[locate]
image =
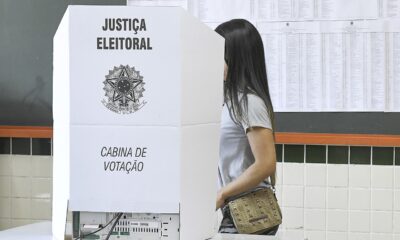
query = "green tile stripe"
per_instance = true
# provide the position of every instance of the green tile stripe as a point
(360, 155)
(279, 150)
(338, 154)
(315, 154)
(294, 153)
(382, 156)
(331, 154)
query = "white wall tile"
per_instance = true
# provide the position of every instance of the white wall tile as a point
(359, 236)
(17, 183)
(5, 207)
(336, 220)
(336, 235)
(316, 174)
(41, 209)
(396, 200)
(5, 186)
(278, 193)
(293, 218)
(293, 173)
(293, 196)
(359, 221)
(315, 197)
(397, 177)
(21, 187)
(5, 224)
(292, 234)
(279, 173)
(396, 222)
(22, 165)
(382, 176)
(41, 187)
(380, 236)
(381, 222)
(20, 222)
(338, 175)
(42, 166)
(219, 216)
(337, 198)
(314, 219)
(359, 175)
(360, 199)
(21, 208)
(382, 199)
(315, 235)
(5, 165)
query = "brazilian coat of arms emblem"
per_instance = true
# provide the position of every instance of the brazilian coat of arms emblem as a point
(124, 89)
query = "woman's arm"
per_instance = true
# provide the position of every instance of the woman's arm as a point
(263, 147)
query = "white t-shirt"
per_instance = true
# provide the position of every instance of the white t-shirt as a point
(235, 154)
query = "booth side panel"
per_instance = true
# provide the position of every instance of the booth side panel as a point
(60, 127)
(202, 54)
(199, 168)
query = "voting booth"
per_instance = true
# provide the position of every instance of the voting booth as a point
(137, 95)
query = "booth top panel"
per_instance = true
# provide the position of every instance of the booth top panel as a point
(136, 66)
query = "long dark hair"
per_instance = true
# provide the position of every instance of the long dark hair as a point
(247, 73)
(244, 55)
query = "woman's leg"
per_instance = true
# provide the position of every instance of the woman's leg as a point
(227, 225)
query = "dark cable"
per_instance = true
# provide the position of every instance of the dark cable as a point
(113, 226)
(98, 230)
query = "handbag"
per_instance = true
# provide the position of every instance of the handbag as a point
(256, 212)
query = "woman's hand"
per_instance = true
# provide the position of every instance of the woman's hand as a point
(262, 145)
(220, 199)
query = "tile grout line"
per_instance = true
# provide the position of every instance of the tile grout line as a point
(326, 193)
(304, 192)
(30, 146)
(283, 157)
(11, 179)
(393, 188)
(31, 178)
(327, 210)
(348, 192)
(370, 193)
(10, 146)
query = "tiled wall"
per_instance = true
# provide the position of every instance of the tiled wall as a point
(339, 192)
(326, 192)
(25, 181)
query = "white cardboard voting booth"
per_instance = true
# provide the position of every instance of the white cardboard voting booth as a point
(137, 94)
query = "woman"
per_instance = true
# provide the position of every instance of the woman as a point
(247, 146)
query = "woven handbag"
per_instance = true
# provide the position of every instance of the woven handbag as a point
(256, 212)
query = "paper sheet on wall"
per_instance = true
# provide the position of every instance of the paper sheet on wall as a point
(330, 66)
(319, 9)
(389, 8)
(321, 55)
(221, 10)
(393, 67)
(158, 3)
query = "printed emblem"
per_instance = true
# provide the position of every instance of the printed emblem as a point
(123, 89)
